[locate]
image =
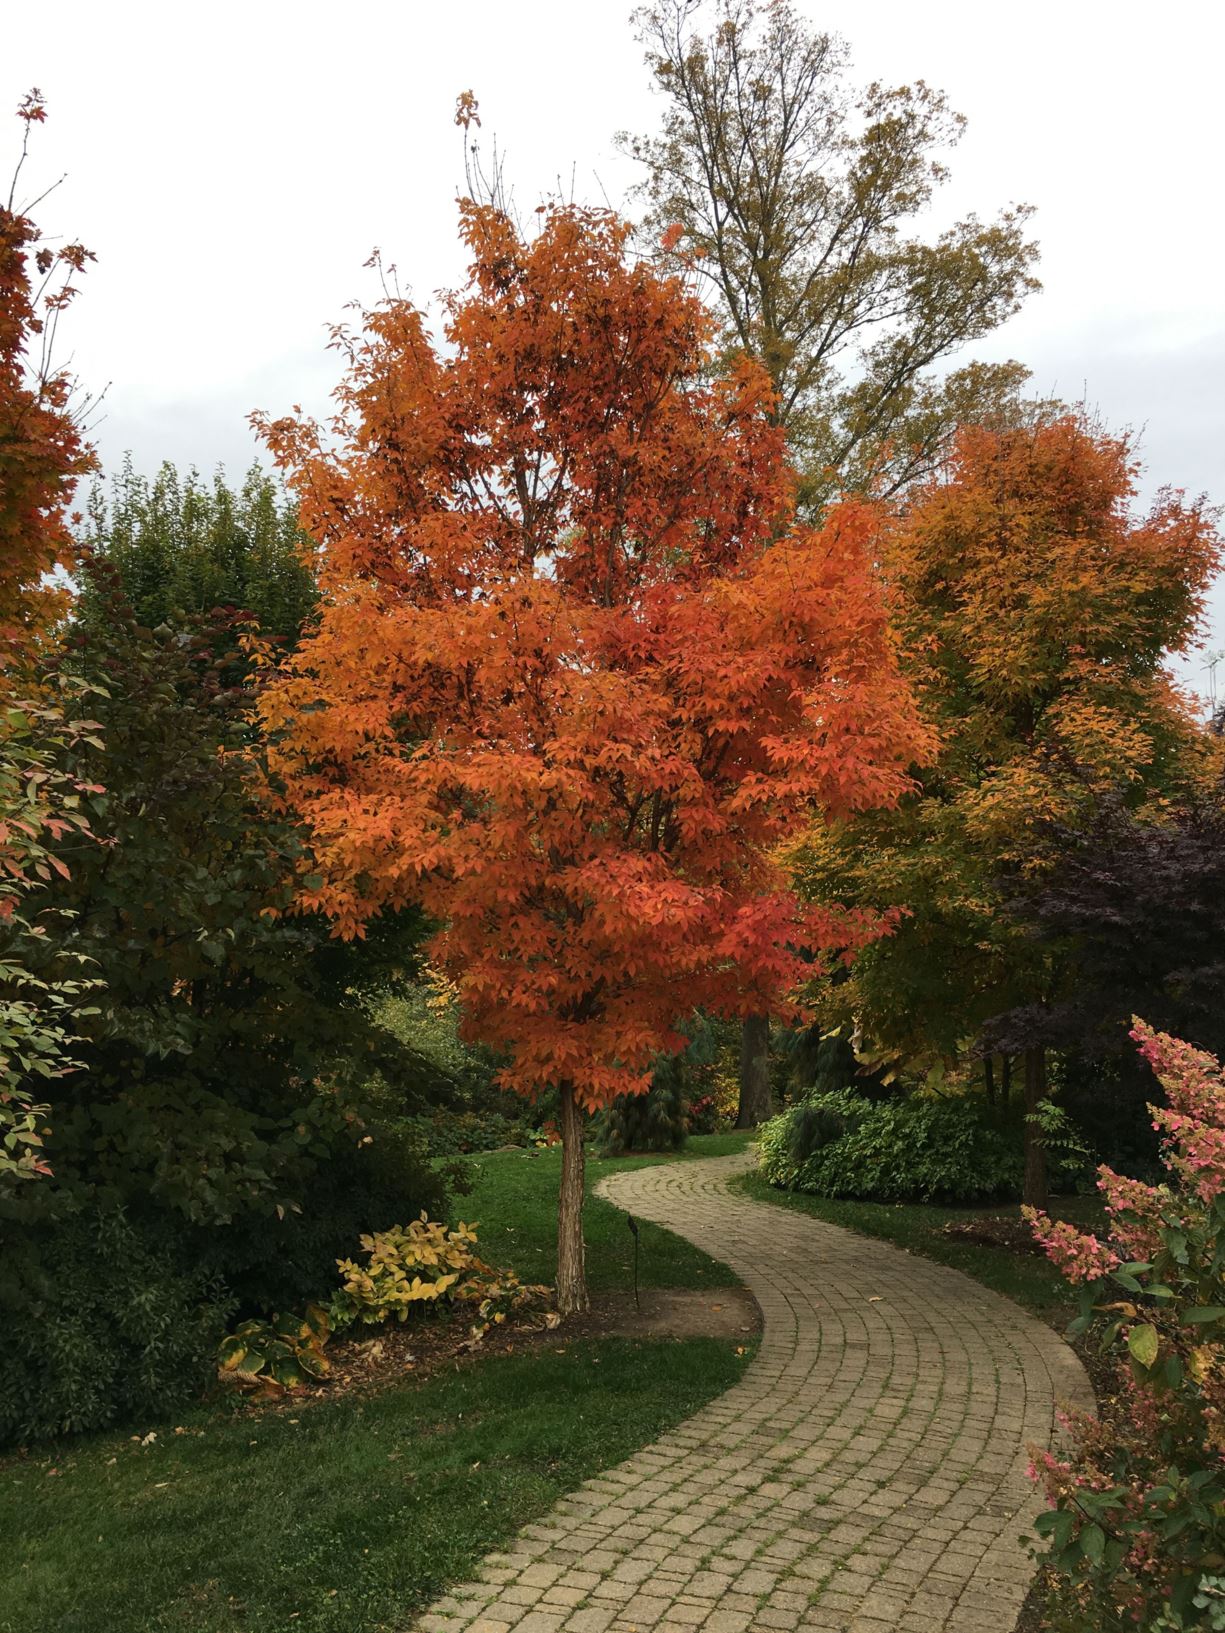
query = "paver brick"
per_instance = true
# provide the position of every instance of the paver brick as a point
(867, 1473)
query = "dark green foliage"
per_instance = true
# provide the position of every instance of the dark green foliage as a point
(821, 1062)
(103, 1323)
(222, 1102)
(181, 549)
(226, 1062)
(286, 1262)
(814, 1125)
(657, 1120)
(116, 1315)
(904, 1150)
(654, 1121)
(456, 1130)
(467, 1111)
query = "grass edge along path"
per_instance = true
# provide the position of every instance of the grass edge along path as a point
(1030, 1280)
(514, 1206)
(348, 1515)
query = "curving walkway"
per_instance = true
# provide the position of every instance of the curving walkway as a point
(866, 1475)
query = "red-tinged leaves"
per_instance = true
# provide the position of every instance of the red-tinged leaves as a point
(41, 451)
(576, 675)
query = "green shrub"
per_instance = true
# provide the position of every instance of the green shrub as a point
(102, 1324)
(654, 1121)
(111, 1315)
(818, 1123)
(660, 1119)
(903, 1150)
(270, 1263)
(452, 1132)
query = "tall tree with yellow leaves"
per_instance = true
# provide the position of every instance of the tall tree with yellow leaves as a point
(1035, 611)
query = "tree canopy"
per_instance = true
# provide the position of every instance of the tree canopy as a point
(1034, 608)
(560, 691)
(795, 196)
(183, 549)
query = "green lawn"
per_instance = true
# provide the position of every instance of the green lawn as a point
(345, 1521)
(346, 1516)
(1029, 1279)
(514, 1203)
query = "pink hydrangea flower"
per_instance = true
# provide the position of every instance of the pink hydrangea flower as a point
(1080, 1256)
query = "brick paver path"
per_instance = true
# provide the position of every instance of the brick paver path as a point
(866, 1475)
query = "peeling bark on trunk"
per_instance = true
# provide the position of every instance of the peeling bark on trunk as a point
(755, 1100)
(1035, 1191)
(571, 1272)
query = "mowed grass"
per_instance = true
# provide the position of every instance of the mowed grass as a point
(346, 1520)
(1030, 1279)
(514, 1204)
(349, 1514)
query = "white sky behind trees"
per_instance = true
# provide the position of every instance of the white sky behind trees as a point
(232, 166)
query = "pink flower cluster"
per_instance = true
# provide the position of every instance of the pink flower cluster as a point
(1080, 1256)
(1134, 1210)
(1156, 1416)
(1194, 1121)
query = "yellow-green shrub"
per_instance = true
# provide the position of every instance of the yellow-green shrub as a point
(406, 1266)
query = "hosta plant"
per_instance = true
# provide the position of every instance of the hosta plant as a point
(274, 1357)
(1136, 1533)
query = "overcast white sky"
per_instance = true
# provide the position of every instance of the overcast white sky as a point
(233, 165)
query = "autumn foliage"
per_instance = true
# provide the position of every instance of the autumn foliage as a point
(1136, 1531)
(575, 677)
(42, 453)
(1035, 609)
(41, 801)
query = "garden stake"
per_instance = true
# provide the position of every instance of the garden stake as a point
(630, 1221)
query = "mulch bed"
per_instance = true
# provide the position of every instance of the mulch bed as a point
(1013, 1234)
(392, 1353)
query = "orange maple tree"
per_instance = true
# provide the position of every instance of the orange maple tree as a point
(574, 676)
(42, 453)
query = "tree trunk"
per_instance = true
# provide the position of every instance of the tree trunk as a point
(989, 1078)
(755, 1102)
(1005, 1079)
(1035, 1155)
(571, 1273)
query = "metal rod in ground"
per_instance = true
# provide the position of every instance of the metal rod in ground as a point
(633, 1225)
